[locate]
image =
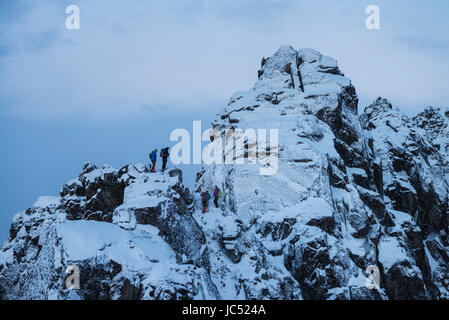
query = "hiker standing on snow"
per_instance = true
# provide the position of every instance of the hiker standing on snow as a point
(153, 158)
(217, 195)
(205, 196)
(164, 154)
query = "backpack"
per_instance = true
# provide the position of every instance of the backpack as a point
(164, 152)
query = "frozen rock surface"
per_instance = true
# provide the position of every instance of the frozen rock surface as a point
(350, 191)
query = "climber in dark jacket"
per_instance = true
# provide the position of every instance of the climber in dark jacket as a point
(217, 195)
(164, 154)
(153, 158)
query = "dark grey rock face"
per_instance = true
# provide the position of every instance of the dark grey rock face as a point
(415, 182)
(93, 196)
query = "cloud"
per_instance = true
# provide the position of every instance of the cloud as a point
(4, 51)
(183, 53)
(42, 40)
(11, 10)
(428, 44)
(256, 11)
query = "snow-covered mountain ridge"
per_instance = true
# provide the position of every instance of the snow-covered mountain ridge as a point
(351, 191)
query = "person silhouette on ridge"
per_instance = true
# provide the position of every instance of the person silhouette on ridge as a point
(153, 158)
(164, 155)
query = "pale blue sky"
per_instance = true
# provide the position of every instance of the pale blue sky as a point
(138, 69)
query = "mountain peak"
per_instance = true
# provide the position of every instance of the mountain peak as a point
(380, 104)
(297, 69)
(344, 200)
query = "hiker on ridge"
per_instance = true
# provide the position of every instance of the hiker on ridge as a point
(217, 195)
(164, 154)
(153, 158)
(205, 196)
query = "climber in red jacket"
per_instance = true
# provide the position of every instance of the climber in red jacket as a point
(205, 196)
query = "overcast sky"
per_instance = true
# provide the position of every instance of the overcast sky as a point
(138, 69)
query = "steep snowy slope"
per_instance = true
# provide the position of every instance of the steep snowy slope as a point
(413, 153)
(319, 217)
(339, 202)
(348, 193)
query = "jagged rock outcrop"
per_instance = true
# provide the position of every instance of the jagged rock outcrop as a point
(310, 220)
(415, 185)
(94, 195)
(350, 192)
(148, 247)
(338, 202)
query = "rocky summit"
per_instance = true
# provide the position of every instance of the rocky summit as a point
(353, 190)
